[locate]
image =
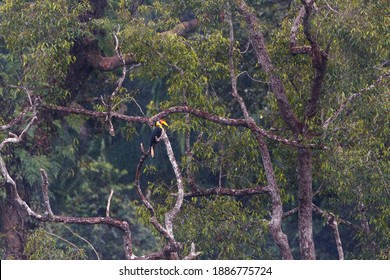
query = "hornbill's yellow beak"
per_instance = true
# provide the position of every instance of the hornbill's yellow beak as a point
(163, 122)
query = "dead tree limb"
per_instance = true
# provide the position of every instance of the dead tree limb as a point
(331, 221)
(45, 194)
(170, 215)
(153, 219)
(294, 49)
(109, 203)
(48, 216)
(171, 249)
(181, 109)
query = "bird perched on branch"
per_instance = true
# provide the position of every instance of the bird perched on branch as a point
(156, 135)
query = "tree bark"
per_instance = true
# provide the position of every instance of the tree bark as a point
(13, 227)
(276, 84)
(305, 216)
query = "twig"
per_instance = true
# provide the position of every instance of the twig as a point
(353, 97)
(85, 240)
(330, 8)
(233, 76)
(65, 240)
(250, 77)
(27, 91)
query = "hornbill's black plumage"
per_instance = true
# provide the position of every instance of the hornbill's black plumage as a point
(156, 134)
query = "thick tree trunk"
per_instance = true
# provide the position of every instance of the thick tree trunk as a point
(305, 217)
(14, 229)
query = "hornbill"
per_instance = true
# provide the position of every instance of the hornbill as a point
(156, 135)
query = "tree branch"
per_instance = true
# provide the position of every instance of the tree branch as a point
(13, 138)
(193, 254)
(290, 212)
(169, 216)
(97, 60)
(15, 120)
(331, 221)
(294, 49)
(45, 194)
(354, 96)
(103, 63)
(319, 62)
(49, 216)
(144, 200)
(180, 109)
(233, 76)
(183, 28)
(227, 192)
(109, 203)
(277, 87)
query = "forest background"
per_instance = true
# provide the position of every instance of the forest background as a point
(277, 145)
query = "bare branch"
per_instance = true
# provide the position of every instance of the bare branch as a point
(332, 222)
(120, 56)
(15, 193)
(13, 138)
(27, 91)
(319, 61)
(170, 250)
(294, 49)
(258, 43)
(49, 216)
(169, 216)
(65, 240)
(193, 254)
(180, 109)
(94, 114)
(83, 239)
(109, 104)
(144, 200)
(233, 76)
(16, 120)
(109, 203)
(45, 193)
(332, 9)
